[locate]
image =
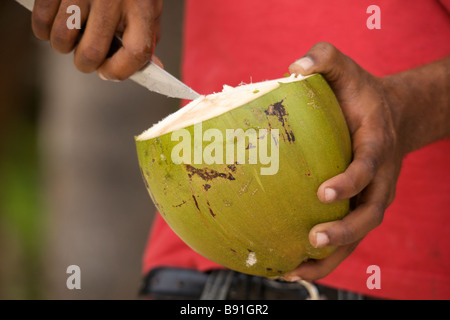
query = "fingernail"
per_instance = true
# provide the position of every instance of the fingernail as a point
(101, 76)
(330, 194)
(322, 240)
(305, 63)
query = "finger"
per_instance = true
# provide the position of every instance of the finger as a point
(158, 62)
(326, 59)
(42, 17)
(138, 43)
(63, 39)
(323, 57)
(370, 143)
(353, 227)
(358, 223)
(100, 28)
(316, 269)
(368, 156)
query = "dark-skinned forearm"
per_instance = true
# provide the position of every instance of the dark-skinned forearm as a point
(420, 101)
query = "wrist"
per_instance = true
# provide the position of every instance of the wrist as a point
(419, 101)
(396, 99)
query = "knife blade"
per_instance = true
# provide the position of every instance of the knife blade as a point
(159, 80)
(152, 77)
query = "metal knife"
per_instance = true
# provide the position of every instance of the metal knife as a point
(151, 77)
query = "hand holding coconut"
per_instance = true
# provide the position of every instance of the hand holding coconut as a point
(229, 209)
(387, 118)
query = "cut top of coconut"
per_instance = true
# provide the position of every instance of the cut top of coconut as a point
(212, 105)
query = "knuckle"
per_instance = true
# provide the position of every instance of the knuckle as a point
(326, 50)
(377, 210)
(61, 40)
(341, 234)
(352, 185)
(330, 62)
(346, 235)
(371, 164)
(142, 53)
(91, 57)
(42, 23)
(370, 156)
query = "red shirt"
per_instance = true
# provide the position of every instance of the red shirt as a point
(229, 42)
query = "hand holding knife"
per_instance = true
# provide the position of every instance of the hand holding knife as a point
(151, 77)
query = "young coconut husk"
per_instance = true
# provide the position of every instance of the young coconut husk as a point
(249, 210)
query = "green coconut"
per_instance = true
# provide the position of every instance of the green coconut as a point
(235, 174)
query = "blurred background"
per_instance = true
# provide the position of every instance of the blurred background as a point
(70, 187)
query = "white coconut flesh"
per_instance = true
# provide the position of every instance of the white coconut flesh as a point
(212, 105)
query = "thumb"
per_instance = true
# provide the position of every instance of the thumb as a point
(324, 58)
